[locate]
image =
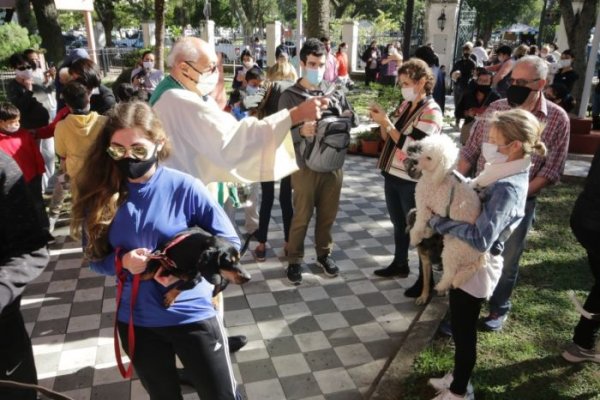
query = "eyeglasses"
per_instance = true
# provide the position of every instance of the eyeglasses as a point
(137, 151)
(210, 70)
(24, 67)
(522, 82)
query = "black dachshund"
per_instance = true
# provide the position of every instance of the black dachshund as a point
(195, 254)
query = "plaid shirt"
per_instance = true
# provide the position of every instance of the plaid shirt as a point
(555, 136)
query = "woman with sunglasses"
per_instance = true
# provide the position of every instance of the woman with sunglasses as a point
(20, 93)
(128, 206)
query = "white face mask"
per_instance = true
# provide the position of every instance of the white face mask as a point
(207, 83)
(12, 128)
(408, 93)
(564, 63)
(148, 64)
(492, 155)
(248, 64)
(26, 74)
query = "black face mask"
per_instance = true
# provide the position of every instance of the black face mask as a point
(516, 95)
(485, 89)
(135, 169)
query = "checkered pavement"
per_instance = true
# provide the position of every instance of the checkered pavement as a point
(328, 338)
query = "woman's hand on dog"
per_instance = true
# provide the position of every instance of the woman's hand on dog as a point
(135, 261)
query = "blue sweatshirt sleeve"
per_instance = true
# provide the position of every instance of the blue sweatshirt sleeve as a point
(497, 214)
(209, 215)
(105, 266)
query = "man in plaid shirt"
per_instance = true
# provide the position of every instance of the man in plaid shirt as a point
(527, 83)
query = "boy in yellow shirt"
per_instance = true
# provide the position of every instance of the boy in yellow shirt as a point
(74, 135)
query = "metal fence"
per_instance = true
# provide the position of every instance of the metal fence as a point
(382, 42)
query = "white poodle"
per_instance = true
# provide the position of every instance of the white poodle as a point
(439, 191)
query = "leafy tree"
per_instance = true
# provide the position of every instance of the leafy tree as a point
(70, 20)
(52, 39)
(13, 38)
(126, 15)
(578, 26)
(493, 13)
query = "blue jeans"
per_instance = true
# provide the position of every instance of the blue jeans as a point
(400, 199)
(513, 249)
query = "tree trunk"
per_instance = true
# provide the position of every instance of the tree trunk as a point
(159, 33)
(52, 39)
(486, 33)
(23, 8)
(317, 24)
(408, 23)
(578, 26)
(106, 13)
(244, 12)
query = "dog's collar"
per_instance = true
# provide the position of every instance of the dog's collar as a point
(161, 255)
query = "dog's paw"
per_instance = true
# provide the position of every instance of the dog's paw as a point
(421, 300)
(442, 288)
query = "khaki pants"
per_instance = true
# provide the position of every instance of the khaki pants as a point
(320, 190)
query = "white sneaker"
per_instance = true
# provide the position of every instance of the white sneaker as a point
(446, 394)
(52, 223)
(443, 383)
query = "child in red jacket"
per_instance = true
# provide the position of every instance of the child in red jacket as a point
(20, 145)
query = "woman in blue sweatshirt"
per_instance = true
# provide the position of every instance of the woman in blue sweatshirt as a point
(129, 202)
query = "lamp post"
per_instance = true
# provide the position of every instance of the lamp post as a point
(441, 21)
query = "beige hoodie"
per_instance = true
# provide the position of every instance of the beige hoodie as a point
(74, 136)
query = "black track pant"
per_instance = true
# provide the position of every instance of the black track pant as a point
(464, 313)
(16, 355)
(201, 347)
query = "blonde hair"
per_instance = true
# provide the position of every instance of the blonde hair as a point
(522, 126)
(282, 72)
(101, 186)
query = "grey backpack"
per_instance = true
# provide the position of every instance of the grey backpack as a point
(326, 151)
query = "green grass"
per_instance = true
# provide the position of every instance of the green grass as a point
(523, 361)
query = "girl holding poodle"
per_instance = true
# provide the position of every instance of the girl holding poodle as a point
(503, 184)
(417, 117)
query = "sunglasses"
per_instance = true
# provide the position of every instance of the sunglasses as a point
(23, 68)
(137, 151)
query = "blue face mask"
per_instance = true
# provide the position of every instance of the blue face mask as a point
(314, 75)
(251, 90)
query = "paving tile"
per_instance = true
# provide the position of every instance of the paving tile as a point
(301, 386)
(257, 370)
(334, 380)
(322, 359)
(327, 338)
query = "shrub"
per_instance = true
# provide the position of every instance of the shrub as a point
(13, 38)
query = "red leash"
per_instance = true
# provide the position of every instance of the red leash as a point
(122, 276)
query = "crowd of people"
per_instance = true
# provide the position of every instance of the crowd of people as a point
(165, 153)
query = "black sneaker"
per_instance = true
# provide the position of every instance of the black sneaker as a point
(260, 252)
(328, 265)
(236, 342)
(294, 273)
(401, 271)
